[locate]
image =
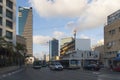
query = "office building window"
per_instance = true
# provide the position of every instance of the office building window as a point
(119, 29)
(0, 9)
(9, 34)
(0, 20)
(1, 1)
(0, 32)
(9, 14)
(9, 4)
(9, 24)
(112, 32)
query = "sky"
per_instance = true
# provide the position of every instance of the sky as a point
(59, 18)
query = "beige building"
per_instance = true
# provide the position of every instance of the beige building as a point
(112, 37)
(26, 27)
(100, 49)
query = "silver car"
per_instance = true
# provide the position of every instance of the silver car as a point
(55, 66)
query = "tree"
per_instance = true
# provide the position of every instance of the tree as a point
(6, 52)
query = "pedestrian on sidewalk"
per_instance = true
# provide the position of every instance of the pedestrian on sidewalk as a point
(111, 67)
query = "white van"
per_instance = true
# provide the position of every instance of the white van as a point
(55, 66)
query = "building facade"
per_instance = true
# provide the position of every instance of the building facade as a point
(65, 40)
(8, 20)
(20, 40)
(111, 37)
(100, 49)
(26, 27)
(75, 44)
(85, 57)
(54, 48)
(67, 46)
(82, 44)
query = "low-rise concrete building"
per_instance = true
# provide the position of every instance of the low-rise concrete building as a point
(85, 57)
(75, 44)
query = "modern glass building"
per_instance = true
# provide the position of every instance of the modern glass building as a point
(8, 20)
(25, 27)
(54, 48)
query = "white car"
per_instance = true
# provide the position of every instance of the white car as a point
(55, 66)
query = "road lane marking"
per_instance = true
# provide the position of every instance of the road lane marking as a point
(4, 75)
(100, 79)
(11, 73)
(96, 73)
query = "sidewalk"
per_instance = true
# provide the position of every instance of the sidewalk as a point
(8, 69)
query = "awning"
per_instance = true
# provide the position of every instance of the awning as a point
(117, 59)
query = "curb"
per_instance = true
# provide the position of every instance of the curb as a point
(10, 73)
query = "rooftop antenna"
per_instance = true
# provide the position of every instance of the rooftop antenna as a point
(74, 33)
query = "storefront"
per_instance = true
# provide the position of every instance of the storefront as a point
(116, 63)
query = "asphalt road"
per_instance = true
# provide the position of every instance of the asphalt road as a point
(46, 74)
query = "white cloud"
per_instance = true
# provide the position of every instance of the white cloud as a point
(90, 15)
(84, 36)
(95, 14)
(100, 42)
(58, 34)
(52, 8)
(43, 40)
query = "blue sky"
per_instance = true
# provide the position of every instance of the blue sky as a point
(59, 18)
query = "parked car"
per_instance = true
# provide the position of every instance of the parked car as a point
(116, 68)
(55, 66)
(92, 67)
(37, 65)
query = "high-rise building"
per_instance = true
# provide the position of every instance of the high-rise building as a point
(54, 48)
(8, 20)
(26, 27)
(112, 38)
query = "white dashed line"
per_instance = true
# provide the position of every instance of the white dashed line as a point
(100, 79)
(9, 74)
(4, 75)
(96, 73)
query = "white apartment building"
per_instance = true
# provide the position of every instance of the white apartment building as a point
(8, 20)
(82, 44)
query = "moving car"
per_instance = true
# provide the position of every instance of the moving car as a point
(92, 67)
(55, 66)
(37, 64)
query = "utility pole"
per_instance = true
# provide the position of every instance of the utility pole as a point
(74, 33)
